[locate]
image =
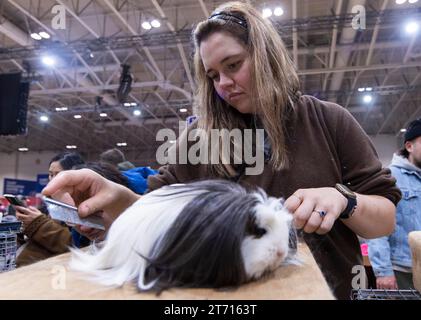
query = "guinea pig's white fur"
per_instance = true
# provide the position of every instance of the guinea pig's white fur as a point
(209, 233)
(268, 252)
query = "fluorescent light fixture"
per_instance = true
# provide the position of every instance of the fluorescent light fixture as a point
(23, 149)
(361, 89)
(266, 12)
(36, 36)
(44, 118)
(103, 114)
(127, 104)
(133, 104)
(137, 113)
(400, 1)
(278, 11)
(58, 109)
(403, 130)
(48, 61)
(77, 116)
(183, 110)
(369, 89)
(367, 98)
(45, 35)
(411, 27)
(146, 25)
(155, 23)
(121, 144)
(71, 147)
(412, 1)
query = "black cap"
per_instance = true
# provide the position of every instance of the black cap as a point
(413, 130)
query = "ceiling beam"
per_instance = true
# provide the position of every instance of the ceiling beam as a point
(179, 45)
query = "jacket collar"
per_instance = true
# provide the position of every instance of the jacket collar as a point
(405, 166)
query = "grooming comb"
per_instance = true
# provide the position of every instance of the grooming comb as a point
(67, 213)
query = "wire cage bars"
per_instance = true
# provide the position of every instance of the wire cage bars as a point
(8, 245)
(378, 294)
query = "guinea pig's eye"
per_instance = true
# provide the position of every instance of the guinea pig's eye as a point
(259, 232)
(253, 229)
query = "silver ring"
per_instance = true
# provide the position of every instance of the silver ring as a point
(321, 213)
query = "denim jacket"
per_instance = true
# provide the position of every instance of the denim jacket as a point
(394, 250)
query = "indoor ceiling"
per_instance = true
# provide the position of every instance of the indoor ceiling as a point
(333, 59)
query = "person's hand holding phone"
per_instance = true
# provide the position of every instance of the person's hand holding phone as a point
(27, 215)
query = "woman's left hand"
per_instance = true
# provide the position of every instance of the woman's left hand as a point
(316, 209)
(27, 215)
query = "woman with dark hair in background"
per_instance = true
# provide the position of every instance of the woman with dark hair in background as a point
(46, 237)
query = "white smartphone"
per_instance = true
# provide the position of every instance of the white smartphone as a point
(67, 213)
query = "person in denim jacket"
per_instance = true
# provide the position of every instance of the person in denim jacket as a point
(390, 256)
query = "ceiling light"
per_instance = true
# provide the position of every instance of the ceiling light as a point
(127, 104)
(412, 1)
(121, 144)
(71, 147)
(23, 149)
(403, 130)
(361, 89)
(58, 109)
(44, 118)
(133, 104)
(146, 25)
(367, 98)
(77, 116)
(411, 27)
(137, 113)
(278, 11)
(400, 1)
(155, 23)
(48, 61)
(103, 114)
(183, 110)
(369, 89)
(266, 13)
(172, 141)
(36, 36)
(45, 35)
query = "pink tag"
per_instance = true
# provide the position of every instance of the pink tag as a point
(364, 249)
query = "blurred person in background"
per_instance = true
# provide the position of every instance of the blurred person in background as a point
(390, 257)
(116, 158)
(44, 236)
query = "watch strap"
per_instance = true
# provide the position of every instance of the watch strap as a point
(349, 210)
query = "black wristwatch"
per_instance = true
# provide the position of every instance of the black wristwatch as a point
(352, 201)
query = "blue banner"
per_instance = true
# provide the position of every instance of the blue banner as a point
(22, 187)
(42, 180)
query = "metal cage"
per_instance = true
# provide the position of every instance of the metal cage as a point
(8, 245)
(377, 294)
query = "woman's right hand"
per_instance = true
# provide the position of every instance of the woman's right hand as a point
(91, 193)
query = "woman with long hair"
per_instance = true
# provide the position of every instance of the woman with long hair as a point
(316, 156)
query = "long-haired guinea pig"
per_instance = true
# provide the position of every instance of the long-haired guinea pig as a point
(210, 234)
